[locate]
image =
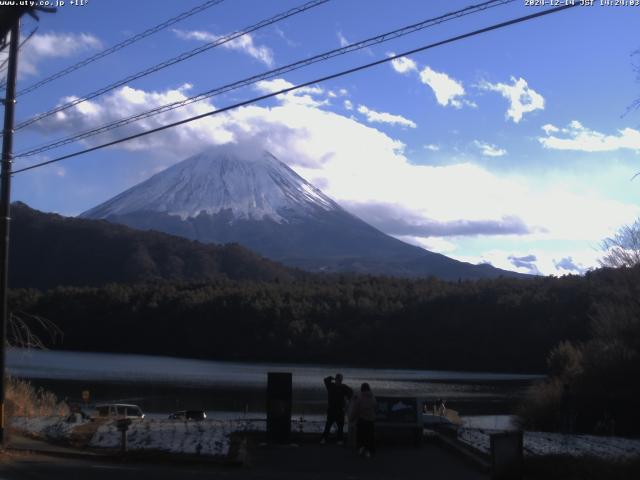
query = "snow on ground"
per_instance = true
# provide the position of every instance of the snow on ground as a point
(209, 437)
(212, 437)
(50, 428)
(543, 443)
(489, 422)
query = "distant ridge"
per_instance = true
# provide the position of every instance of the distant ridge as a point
(49, 250)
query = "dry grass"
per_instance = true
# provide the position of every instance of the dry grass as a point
(540, 408)
(25, 400)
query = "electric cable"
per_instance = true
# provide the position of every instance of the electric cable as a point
(120, 46)
(265, 75)
(305, 84)
(172, 61)
(3, 67)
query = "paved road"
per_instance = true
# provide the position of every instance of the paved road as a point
(308, 461)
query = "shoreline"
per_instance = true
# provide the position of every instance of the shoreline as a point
(444, 373)
(166, 398)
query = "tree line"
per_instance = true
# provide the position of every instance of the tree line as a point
(499, 324)
(593, 384)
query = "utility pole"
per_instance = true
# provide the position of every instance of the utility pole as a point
(5, 207)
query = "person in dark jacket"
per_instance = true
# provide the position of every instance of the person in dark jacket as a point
(338, 395)
(363, 413)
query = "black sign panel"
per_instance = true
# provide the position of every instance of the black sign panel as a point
(279, 393)
(397, 410)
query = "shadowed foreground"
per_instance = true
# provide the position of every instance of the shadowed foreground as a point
(288, 462)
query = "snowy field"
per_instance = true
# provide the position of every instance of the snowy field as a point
(50, 428)
(208, 437)
(489, 422)
(213, 437)
(543, 443)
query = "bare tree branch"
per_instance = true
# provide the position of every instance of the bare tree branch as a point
(21, 329)
(623, 249)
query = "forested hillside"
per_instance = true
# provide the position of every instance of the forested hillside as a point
(501, 324)
(49, 250)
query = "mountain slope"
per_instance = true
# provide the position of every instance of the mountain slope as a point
(48, 250)
(229, 194)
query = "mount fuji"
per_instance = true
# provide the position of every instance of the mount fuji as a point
(232, 194)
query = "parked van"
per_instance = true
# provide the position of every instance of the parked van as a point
(119, 410)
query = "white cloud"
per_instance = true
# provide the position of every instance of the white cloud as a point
(526, 262)
(432, 147)
(270, 86)
(569, 265)
(522, 99)
(43, 46)
(489, 150)
(341, 38)
(365, 170)
(348, 105)
(434, 244)
(446, 89)
(243, 44)
(301, 96)
(399, 220)
(578, 137)
(537, 261)
(284, 37)
(403, 64)
(342, 92)
(382, 117)
(127, 101)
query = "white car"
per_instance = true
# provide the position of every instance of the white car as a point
(119, 410)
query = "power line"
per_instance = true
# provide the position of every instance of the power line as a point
(120, 46)
(174, 60)
(306, 84)
(3, 67)
(269, 74)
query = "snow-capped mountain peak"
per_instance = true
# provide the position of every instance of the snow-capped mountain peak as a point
(251, 185)
(236, 194)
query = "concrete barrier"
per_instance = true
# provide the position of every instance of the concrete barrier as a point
(506, 455)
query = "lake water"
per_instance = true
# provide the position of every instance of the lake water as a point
(163, 384)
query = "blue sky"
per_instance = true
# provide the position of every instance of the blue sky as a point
(514, 147)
